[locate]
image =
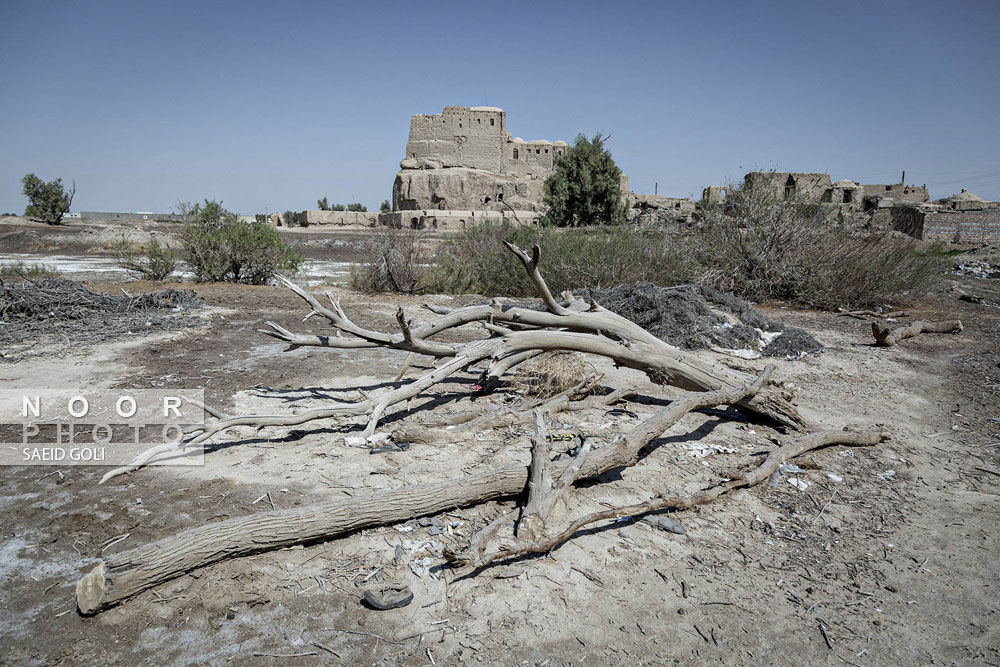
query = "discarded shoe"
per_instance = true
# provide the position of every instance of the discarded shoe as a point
(397, 447)
(388, 597)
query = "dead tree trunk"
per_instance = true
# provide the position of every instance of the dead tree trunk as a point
(121, 576)
(886, 337)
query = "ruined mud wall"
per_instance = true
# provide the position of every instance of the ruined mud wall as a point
(962, 226)
(459, 137)
(897, 192)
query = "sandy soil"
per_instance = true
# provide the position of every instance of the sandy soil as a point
(896, 562)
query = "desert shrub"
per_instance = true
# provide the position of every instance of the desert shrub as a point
(392, 260)
(20, 271)
(585, 187)
(47, 201)
(219, 247)
(761, 246)
(150, 261)
(476, 261)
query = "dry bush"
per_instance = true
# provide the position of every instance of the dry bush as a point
(759, 247)
(551, 374)
(19, 271)
(393, 260)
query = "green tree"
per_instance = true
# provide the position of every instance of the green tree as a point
(220, 247)
(357, 208)
(585, 188)
(386, 207)
(152, 261)
(324, 205)
(47, 201)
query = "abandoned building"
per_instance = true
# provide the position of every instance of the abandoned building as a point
(655, 208)
(817, 187)
(462, 166)
(465, 159)
(960, 218)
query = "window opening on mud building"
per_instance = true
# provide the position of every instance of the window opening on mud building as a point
(848, 196)
(546, 151)
(492, 121)
(538, 151)
(515, 153)
(500, 196)
(789, 188)
(888, 188)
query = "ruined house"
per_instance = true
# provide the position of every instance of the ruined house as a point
(465, 159)
(960, 218)
(785, 185)
(655, 208)
(818, 188)
(887, 195)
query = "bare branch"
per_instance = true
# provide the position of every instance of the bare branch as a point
(756, 476)
(531, 266)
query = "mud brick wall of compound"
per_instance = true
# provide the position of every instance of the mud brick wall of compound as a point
(963, 227)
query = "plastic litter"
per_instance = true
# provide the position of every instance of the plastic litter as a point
(667, 523)
(799, 484)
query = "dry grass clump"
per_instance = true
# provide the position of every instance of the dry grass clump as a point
(19, 271)
(394, 260)
(552, 373)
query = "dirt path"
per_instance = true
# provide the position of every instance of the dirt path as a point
(878, 568)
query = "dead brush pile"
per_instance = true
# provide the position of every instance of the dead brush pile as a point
(36, 315)
(69, 300)
(695, 317)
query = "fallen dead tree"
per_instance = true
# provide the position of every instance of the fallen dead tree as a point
(517, 334)
(887, 337)
(121, 576)
(862, 314)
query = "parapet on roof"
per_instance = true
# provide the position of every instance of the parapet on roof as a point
(486, 109)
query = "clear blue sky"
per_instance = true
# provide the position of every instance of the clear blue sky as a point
(275, 104)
